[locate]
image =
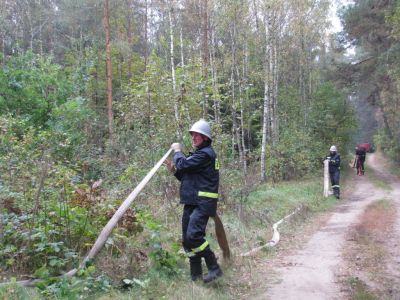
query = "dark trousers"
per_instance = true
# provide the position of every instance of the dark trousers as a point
(194, 223)
(335, 176)
(362, 160)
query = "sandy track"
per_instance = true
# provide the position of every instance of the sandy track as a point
(311, 273)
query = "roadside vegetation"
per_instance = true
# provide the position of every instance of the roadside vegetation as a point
(149, 264)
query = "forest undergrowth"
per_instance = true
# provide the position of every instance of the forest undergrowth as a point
(143, 257)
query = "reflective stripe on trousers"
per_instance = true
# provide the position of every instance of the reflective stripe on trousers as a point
(198, 249)
(208, 195)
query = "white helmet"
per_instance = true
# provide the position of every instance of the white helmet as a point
(333, 148)
(201, 127)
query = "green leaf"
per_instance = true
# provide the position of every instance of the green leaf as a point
(42, 272)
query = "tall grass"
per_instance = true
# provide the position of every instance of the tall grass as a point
(248, 224)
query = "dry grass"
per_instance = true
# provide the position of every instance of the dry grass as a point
(376, 221)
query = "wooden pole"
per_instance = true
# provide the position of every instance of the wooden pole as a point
(221, 237)
(101, 240)
(326, 178)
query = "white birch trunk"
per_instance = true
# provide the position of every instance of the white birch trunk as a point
(206, 56)
(264, 133)
(240, 132)
(276, 86)
(214, 77)
(174, 95)
(271, 89)
(181, 42)
(233, 86)
(266, 112)
(182, 82)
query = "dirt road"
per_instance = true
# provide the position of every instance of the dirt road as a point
(317, 270)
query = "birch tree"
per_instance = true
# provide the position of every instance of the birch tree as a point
(173, 76)
(109, 69)
(266, 120)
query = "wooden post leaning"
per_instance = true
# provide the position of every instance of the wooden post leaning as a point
(105, 233)
(221, 237)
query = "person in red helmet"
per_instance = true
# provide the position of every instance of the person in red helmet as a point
(360, 159)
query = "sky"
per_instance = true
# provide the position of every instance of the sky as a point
(336, 25)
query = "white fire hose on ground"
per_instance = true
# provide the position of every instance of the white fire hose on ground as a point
(275, 236)
(105, 233)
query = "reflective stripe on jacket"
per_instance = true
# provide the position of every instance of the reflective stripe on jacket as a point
(199, 175)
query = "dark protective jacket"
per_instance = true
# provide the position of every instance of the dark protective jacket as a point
(334, 163)
(199, 175)
(361, 154)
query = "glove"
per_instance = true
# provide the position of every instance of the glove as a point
(170, 166)
(176, 147)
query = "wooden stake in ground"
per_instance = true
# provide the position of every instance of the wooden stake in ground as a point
(221, 237)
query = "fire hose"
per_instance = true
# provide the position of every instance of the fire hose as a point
(105, 233)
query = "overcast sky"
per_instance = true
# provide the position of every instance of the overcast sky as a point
(336, 25)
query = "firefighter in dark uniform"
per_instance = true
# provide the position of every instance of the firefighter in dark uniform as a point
(360, 155)
(334, 170)
(199, 177)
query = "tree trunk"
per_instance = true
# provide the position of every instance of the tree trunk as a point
(242, 133)
(109, 69)
(275, 91)
(129, 6)
(267, 105)
(235, 128)
(146, 54)
(205, 58)
(214, 80)
(264, 132)
(146, 39)
(174, 94)
(40, 30)
(183, 102)
(181, 42)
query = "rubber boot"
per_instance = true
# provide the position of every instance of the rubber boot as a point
(214, 271)
(336, 192)
(196, 271)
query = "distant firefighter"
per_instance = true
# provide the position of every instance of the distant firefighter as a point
(360, 154)
(334, 170)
